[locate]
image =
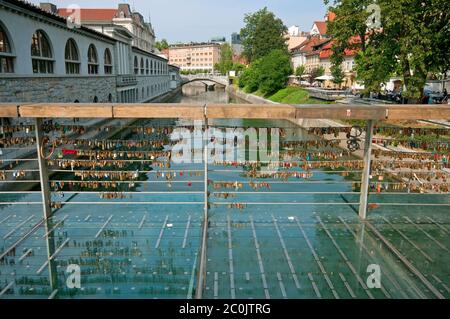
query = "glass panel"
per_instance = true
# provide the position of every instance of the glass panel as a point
(4, 42)
(92, 54)
(71, 51)
(35, 49)
(45, 46)
(6, 65)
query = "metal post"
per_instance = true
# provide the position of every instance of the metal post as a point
(46, 206)
(366, 171)
(43, 171)
(202, 270)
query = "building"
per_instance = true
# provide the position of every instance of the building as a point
(320, 28)
(236, 45)
(307, 53)
(295, 37)
(195, 56)
(347, 65)
(134, 22)
(175, 78)
(219, 40)
(43, 59)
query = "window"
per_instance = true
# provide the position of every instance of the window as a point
(72, 58)
(142, 65)
(108, 62)
(41, 55)
(6, 58)
(147, 69)
(92, 60)
(110, 97)
(136, 65)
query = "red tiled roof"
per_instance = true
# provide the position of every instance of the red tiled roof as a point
(300, 45)
(309, 45)
(322, 26)
(327, 51)
(91, 14)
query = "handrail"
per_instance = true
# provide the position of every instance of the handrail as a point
(224, 111)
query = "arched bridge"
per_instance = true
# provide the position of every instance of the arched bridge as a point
(218, 79)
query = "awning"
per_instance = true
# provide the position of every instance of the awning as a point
(325, 78)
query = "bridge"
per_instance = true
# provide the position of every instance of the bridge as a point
(218, 79)
(206, 193)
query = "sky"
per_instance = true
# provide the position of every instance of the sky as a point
(201, 20)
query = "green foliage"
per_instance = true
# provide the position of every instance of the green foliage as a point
(162, 45)
(336, 67)
(414, 40)
(268, 74)
(274, 71)
(238, 67)
(226, 59)
(300, 70)
(263, 33)
(374, 66)
(249, 79)
(198, 71)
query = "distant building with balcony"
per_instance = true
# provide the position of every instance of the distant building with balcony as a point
(123, 16)
(43, 59)
(195, 56)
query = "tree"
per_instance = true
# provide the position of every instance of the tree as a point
(413, 40)
(336, 66)
(316, 72)
(250, 78)
(263, 33)
(300, 70)
(274, 70)
(226, 59)
(162, 45)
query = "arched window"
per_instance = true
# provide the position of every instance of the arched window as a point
(95, 99)
(72, 58)
(142, 65)
(136, 65)
(142, 93)
(110, 97)
(108, 62)
(147, 68)
(6, 57)
(92, 60)
(151, 67)
(41, 53)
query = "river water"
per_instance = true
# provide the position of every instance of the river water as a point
(290, 238)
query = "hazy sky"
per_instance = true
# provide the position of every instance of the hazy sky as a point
(200, 20)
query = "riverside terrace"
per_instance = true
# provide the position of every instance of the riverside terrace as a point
(108, 198)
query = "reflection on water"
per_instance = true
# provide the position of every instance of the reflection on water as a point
(197, 93)
(299, 238)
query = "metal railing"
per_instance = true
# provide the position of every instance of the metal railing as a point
(372, 114)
